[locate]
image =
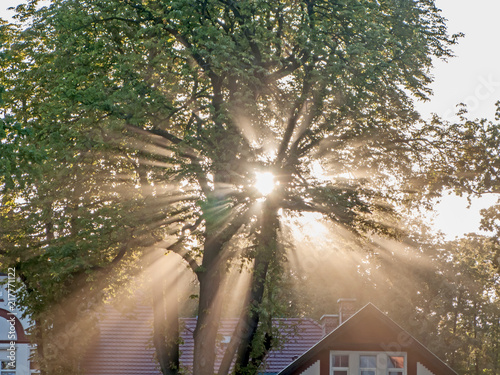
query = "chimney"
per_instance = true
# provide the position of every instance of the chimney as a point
(346, 308)
(329, 322)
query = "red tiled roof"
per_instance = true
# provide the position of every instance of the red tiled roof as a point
(186, 348)
(298, 336)
(124, 346)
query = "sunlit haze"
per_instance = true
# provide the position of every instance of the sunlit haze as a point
(472, 77)
(200, 179)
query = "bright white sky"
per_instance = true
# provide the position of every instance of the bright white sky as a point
(4, 4)
(473, 77)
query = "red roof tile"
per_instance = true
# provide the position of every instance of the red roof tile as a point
(124, 346)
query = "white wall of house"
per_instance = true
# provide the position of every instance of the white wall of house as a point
(21, 355)
(12, 353)
(313, 370)
(422, 370)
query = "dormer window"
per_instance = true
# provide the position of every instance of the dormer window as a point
(367, 363)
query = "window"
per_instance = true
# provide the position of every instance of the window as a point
(367, 363)
(7, 368)
(340, 364)
(395, 365)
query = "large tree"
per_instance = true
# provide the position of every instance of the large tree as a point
(160, 115)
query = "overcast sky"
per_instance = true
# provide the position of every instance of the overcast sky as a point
(472, 77)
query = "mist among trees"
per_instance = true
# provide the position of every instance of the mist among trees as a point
(137, 130)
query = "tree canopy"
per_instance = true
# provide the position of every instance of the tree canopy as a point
(133, 125)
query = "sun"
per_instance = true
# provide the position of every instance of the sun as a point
(264, 182)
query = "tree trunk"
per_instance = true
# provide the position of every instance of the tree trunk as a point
(244, 334)
(166, 327)
(251, 318)
(475, 322)
(455, 324)
(40, 347)
(209, 310)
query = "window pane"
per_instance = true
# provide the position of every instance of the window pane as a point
(395, 372)
(368, 361)
(341, 361)
(8, 365)
(364, 372)
(395, 362)
(340, 372)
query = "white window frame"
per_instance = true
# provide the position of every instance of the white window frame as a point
(354, 357)
(7, 370)
(333, 369)
(375, 369)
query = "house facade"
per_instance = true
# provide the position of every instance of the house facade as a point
(368, 343)
(15, 348)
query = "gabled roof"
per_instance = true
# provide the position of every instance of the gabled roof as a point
(300, 335)
(366, 327)
(124, 346)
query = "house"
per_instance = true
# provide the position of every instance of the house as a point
(124, 346)
(301, 334)
(367, 343)
(15, 348)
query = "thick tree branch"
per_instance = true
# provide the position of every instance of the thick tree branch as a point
(178, 248)
(205, 65)
(294, 118)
